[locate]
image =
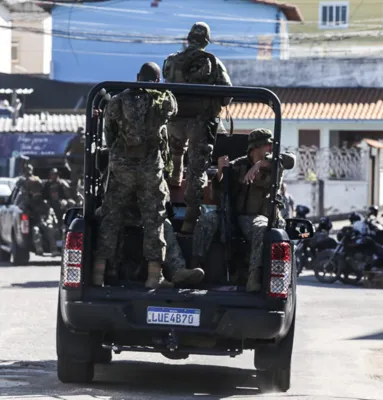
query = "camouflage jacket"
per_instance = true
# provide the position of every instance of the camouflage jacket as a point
(250, 199)
(134, 123)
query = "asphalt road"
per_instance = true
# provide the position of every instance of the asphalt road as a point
(338, 350)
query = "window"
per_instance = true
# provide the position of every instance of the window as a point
(333, 15)
(15, 52)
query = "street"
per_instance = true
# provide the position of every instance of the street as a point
(338, 350)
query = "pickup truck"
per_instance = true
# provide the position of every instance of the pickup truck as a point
(211, 319)
(16, 233)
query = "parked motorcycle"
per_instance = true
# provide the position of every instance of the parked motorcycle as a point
(302, 251)
(307, 250)
(353, 254)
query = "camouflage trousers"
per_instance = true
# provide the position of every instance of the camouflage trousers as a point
(174, 259)
(195, 137)
(252, 228)
(144, 185)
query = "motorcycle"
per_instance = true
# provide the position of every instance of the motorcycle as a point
(307, 250)
(369, 225)
(302, 250)
(353, 254)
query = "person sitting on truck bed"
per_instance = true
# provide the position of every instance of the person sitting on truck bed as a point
(174, 259)
(249, 185)
(56, 193)
(135, 122)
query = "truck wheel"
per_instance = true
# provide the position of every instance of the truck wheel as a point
(20, 256)
(274, 366)
(70, 371)
(102, 356)
(4, 255)
(74, 354)
(276, 380)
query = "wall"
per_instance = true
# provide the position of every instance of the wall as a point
(313, 72)
(6, 41)
(34, 48)
(106, 56)
(290, 128)
(342, 197)
(369, 12)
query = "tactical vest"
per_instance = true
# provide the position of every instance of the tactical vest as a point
(186, 67)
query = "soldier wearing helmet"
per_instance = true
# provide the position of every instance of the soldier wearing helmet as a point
(249, 185)
(196, 124)
(56, 192)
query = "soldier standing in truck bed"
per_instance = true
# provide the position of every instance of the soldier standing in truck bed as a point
(134, 128)
(196, 125)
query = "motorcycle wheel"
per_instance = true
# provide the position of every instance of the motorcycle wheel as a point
(326, 271)
(351, 277)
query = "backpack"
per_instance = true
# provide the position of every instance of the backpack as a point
(182, 67)
(191, 66)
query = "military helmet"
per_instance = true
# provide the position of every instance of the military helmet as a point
(259, 137)
(200, 33)
(28, 167)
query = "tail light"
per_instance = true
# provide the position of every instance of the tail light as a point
(280, 274)
(72, 260)
(24, 224)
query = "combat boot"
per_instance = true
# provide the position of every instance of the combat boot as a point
(155, 277)
(178, 171)
(254, 280)
(190, 221)
(188, 276)
(98, 272)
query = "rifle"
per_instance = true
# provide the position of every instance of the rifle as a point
(225, 220)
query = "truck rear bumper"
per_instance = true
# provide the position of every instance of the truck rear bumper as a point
(225, 322)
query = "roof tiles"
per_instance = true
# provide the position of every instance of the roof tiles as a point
(318, 104)
(41, 123)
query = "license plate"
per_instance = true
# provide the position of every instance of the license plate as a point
(173, 316)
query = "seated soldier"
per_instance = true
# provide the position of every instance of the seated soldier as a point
(174, 259)
(249, 185)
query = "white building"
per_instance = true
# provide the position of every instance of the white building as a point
(30, 47)
(5, 39)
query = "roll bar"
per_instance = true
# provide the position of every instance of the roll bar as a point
(100, 93)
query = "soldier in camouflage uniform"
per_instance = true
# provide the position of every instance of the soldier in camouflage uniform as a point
(134, 122)
(174, 259)
(32, 201)
(249, 183)
(75, 159)
(195, 128)
(56, 192)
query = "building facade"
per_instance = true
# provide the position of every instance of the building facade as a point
(27, 42)
(111, 40)
(337, 28)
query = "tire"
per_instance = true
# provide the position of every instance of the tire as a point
(20, 256)
(70, 371)
(347, 280)
(103, 356)
(75, 361)
(277, 376)
(4, 255)
(321, 266)
(276, 380)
